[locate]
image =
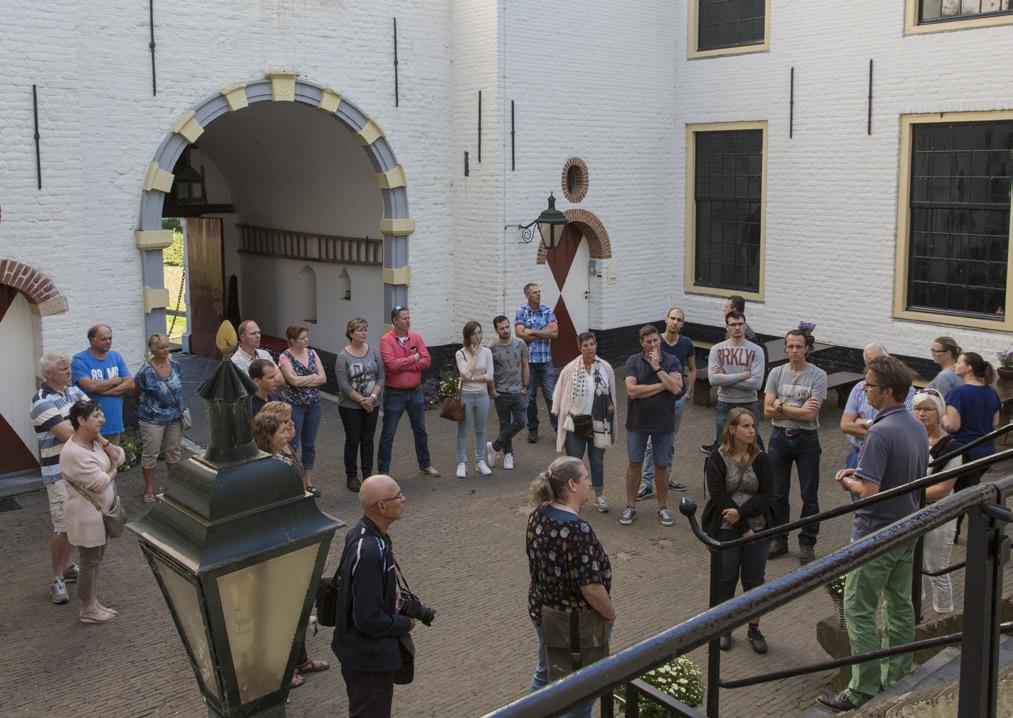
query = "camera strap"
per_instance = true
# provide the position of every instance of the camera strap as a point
(399, 577)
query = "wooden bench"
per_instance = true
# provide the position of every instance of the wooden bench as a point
(843, 382)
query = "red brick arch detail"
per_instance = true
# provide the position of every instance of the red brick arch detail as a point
(36, 286)
(593, 229)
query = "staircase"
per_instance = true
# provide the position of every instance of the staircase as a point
(931, 690)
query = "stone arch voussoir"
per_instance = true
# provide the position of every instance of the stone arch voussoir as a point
(36, 286)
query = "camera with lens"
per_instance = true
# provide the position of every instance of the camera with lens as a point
(412, 607)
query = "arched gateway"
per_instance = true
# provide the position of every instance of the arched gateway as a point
(395, 224)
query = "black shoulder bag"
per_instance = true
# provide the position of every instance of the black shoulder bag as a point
(327, 595)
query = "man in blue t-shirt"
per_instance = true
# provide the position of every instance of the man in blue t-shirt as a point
(653, 380)
(895, 452)
(674, 344)
(103, 375)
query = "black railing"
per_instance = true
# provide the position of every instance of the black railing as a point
(987, 551)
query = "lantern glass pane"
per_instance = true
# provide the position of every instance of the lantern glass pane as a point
(182, 595)
(261, 605)
(546, 231)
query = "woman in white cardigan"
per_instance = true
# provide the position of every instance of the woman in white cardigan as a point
(88, 463)
(474, 364)
(585, 400)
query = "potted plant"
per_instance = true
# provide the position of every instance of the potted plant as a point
(836, 590)
(1005, 364)
(807, 328)
(680, 678)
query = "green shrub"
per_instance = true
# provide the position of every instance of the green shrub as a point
(173, 254)
(680, 678)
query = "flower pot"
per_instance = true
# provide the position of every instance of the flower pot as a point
(838, 602)
(1005, 373)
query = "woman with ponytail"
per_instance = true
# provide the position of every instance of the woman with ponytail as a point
(570, 569)
(972, 410)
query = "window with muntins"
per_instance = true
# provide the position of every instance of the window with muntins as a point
(944, 10)
(728, 196)
(960, 218)
(730, 23)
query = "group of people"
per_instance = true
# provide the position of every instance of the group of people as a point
(77, 413)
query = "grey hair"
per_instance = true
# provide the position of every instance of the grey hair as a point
(876, 345)
(51, 360)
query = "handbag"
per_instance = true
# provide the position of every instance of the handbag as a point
(114, 518)
(573, 639)
(185, 419)
(327, 595)
(583, 426)
(452, 407)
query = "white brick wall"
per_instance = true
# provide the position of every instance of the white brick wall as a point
(608, 82)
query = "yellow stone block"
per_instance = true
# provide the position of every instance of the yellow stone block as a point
(155, 299)
(393, 178)
(401, 276)
(153, 238)
(157, 178)
(188, 127)
(236, 97)
(329, 100)
(369, 133)
(397, 227)
(283, 86)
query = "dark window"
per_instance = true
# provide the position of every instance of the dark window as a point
(944, 10)
(960, 212)
(730, 23)
(729, 174)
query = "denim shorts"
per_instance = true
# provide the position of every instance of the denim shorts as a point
(661, 444)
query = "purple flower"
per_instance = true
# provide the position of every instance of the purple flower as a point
(807, 326)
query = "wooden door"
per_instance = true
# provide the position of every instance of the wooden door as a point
(206, 298)
(568, 264)
(17, 348)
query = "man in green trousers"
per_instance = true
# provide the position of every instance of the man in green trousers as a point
(896, 452)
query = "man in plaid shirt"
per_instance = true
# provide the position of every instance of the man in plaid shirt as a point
(536, 324)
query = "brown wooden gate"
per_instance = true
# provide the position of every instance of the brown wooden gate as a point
(206, 300)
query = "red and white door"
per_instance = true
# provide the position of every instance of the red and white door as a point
(566, 287)
(17, 356)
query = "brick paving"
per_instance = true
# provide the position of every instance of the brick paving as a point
(461, 545)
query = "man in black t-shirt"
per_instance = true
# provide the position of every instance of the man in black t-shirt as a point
(653, 380)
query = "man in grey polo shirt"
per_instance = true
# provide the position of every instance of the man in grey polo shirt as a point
(510, 391)
(896, 452)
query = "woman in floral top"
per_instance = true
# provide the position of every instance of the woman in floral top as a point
(569, 567)
(158, 388)
(304, 373)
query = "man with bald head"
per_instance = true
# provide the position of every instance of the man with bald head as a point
(103, 374)
(370, 633)
(859, 413)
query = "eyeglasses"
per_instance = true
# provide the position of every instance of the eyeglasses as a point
(923, 408)
(939, 351)
(397, 497)
(930, 392)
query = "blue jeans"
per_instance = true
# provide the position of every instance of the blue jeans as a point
(476, 409)
(307, 421)
(721, 411)
(395, 402)
(747, 562)
(804, 451)
(540, 678)
(851, 460)
(648, 478)
(595, 456)
(512, 409)
(541, 375)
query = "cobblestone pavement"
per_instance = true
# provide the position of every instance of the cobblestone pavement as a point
(461, 545)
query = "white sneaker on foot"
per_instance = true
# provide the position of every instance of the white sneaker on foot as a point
(601, 503)
(462, 470)
(58, 591)
(483, 468)
(508, 461)
(491, 455)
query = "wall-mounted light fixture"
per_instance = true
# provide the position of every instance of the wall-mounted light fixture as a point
(550, 226)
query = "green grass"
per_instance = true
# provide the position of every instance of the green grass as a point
(173, 275)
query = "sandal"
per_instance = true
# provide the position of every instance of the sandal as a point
(313, 666)
(149, 498)
(297, 681)
(313, 490)
(95, 617)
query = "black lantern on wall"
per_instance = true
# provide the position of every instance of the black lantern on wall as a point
(189, 192)
(237, 548)
(550, 226)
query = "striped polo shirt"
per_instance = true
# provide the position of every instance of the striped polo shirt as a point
(49, 408)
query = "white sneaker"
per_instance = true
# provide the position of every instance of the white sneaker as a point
(508, 461)
(483, 468)
(601, 504)
(491, 455)
(462, 470)
(58, 591)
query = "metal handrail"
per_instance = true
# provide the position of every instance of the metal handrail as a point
(987, 438)
(605, 675)
(688, 506)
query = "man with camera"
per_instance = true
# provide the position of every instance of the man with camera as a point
(376, 611)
